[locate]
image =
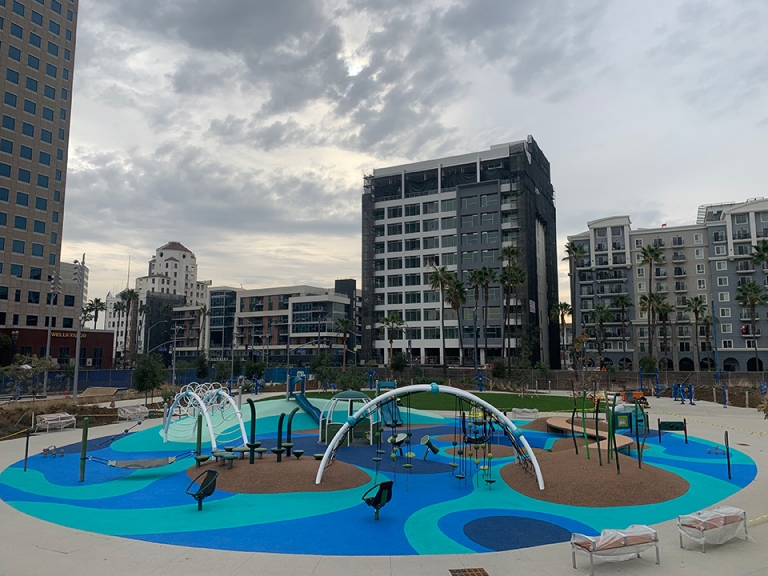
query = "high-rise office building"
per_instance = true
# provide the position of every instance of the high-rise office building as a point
(459, 212)
(37, 56)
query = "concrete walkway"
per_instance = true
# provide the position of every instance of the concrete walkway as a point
(30, 547)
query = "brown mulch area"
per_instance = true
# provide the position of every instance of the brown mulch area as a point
(538, 425)
(267, 476)
(574, 480)
(16, 417)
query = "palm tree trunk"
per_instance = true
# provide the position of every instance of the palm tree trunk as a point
(696, 342)
(485, 325)
(754, 340)
(344, 353)
(442, 329)
(461, 338)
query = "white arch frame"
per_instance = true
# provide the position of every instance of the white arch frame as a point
(434, 389)
(201, 404)
(211, 396)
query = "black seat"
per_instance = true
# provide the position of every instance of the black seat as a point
(207, 487)
(382, 496)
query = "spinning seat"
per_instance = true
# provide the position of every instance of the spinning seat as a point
(207, 487)
(382, 496)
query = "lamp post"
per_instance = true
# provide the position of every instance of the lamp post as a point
(148, 342)
(79, 278)
(176, 328)
(235, 336)
(53, 291)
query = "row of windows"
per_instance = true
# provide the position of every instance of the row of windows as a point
(19, 8)
(433, 207)
(20, 223)
(32, 85)
(33, 296)
(22, 199)
(33, 62)
(26, 152)
(23, 175)
(27, 129)
(17, 270)
(30, 107)
(20, 247)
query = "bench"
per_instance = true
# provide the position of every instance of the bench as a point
(523, 414)
(57, 421)
(615, 545)
(716, 526)
(133, 413)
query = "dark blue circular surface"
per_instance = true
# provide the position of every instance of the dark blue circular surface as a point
(510, 532)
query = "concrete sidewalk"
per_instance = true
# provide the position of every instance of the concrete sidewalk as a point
(30, 547)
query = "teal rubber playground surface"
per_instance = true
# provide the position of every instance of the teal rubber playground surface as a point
(431, 512)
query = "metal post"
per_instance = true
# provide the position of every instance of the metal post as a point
(26, 449)
(84, 449)
(80, 278)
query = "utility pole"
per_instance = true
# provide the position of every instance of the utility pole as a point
(79, 278)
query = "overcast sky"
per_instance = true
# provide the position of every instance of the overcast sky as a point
(243, 128)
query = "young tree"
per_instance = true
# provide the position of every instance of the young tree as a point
(150, 374)
(254, 369)
(202, 369)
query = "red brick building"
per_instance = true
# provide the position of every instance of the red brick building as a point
(95, 345)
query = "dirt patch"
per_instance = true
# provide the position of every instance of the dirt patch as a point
(267, 476)
(576, 481)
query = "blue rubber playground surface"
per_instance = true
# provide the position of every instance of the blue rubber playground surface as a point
(431, 512)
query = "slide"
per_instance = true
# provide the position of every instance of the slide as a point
(307, 406)
(390, 413)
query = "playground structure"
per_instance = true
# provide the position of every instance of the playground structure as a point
(512, 432)
(301, 398)
(328, 426)
(211, 400)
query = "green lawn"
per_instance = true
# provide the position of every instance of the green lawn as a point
(502, 401)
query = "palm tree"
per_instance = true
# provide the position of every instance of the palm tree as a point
(751, 295)
(508, 278)
(601, 315)
(664, 309)
(144, 311)
(202, 314)
(573, 253)
(489, 277)
(623, 302)
(456, 296)
(697, 306)
(760, 254)
(131, 299)
(649, 303)
(94, 307)
(651, 255)
(393, 323)
(344, 325)
(118, 308)
(438, 280)
(558, 313)
(475, 279)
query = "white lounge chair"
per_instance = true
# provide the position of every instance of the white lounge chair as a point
(615, 545)
(713, 526)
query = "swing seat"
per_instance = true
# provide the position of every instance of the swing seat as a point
(207, 487)
(380, 499)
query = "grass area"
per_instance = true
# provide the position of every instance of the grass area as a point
(502, 401)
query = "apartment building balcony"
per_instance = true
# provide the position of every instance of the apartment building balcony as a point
(748, 334)
(679, 272)
(719, 237)
(742, 235)
(661, 289)
(745, 267)
(746, 316)
(602, 261)
(618, 246)
(678, 257)
(658, 243)
(660, 274)
(681, 287)
(585, 277)
(583, 263)
(601, 247)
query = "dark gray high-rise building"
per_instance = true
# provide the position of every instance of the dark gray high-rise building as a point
(459, 212)
(37, 51)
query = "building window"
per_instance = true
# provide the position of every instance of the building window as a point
(395, 246)
(413, 279)
(412, 262)
(395, 212)
(722, 280)
(721, 266)
(698, 238)
(719, 250)
(641, 287)
(448, 223)
(701, 284)
(725, 312)
(412, 209)
(641, 272)
(727, 344)
(431, 225)
(726, 328)
(723, 297)
(448, 205)
(395, 298)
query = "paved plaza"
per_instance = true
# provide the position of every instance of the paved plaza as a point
(34, 547)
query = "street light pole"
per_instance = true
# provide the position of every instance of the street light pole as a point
(148, 343)
(173, 355)
(235, 335)
(54, 290)
(79, 277)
